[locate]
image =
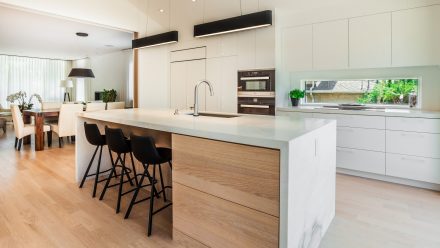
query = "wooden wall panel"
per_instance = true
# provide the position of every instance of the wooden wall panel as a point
(219, 223)
(241, 174)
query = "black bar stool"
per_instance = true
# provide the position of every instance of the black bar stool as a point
(94, 137)
(117, 143)
(144, 149)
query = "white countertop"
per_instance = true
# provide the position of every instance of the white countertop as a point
(415, 113)
(264, 131)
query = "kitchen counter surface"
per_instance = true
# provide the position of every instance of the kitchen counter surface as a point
(264, 131)
(415, 113)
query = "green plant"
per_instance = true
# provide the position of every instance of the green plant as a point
(297, 93)
(390, 92)
(109, 95)
(20, 97)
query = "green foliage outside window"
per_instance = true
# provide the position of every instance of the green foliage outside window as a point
(395, 91)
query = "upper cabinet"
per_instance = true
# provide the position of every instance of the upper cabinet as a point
(297, 48)
(330, 45)
(416, 38)
(370, 41)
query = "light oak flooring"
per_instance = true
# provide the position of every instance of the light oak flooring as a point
(41, 206)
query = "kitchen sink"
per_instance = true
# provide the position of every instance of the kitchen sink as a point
(217, 115)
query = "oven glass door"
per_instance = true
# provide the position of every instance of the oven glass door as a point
(256, 85)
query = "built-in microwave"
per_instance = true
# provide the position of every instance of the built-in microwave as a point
(256, 81)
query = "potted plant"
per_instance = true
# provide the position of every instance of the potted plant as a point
(296, 95)
(20, 97)
(109, 95)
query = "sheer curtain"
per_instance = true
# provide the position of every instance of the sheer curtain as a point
(32, 75)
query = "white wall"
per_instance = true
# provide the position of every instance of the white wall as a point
(112, 71)
(343, 9)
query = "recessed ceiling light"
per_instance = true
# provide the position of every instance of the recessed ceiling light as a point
(81, 34)
(194, 0)
(161, 10)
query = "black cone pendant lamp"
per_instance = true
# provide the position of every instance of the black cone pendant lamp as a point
(234, 24)
(81, 73)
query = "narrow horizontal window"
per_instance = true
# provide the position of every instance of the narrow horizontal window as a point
(366, 91)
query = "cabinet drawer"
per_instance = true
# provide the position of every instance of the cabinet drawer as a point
(359, 138)
(413, 124)
(416, 144)
(362, 121)
(415, 168)
(360, 160)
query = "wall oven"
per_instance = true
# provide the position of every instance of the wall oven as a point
(256, 92)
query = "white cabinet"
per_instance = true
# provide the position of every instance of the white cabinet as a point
(415, 36)
(415, 168)
(297, 48)
(183, 77)
(370, 41)
(412, 143)
(423, 125)
(330, 45)
(360, 160)
(361, 121)
(360, 138)
(222, 73)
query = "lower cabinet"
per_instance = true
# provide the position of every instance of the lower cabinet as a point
(414, 168)
(361, 138)
(415, 144)
(361, 160)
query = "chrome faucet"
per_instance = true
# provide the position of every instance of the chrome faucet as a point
(196, 95)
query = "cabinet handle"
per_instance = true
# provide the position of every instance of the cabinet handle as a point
(255, 106)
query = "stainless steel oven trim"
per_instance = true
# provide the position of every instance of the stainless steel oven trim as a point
(254, 106)
(257, 94)
(254, 78)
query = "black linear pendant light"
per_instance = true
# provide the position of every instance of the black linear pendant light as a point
(156, 40)
(234, 24)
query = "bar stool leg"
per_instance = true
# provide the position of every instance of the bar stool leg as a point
(88, 168)
(97, 173)
(136, 192)
(150, 214)
(126, 171)
(109, 177)
(16, 141)
(134, 169)
(118, 206)
(162, 184)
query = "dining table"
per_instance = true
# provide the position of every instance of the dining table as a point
(39, 116)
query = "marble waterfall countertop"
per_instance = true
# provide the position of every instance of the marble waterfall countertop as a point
(264, 131)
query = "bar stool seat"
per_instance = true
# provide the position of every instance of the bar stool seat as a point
(145, 151)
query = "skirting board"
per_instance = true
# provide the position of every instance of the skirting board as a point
(390, 179)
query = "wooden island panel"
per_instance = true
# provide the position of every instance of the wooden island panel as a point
(226, 194)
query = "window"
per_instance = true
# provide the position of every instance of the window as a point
(366, 91)
(33, 76)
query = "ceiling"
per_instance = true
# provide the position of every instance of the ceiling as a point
(29, 34)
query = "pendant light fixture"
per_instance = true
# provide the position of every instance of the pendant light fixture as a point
(234, 24)
(159, 39)
(81, 73)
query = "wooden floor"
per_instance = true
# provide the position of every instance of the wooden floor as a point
(41, 206)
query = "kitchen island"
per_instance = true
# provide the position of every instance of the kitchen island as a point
(246, 181)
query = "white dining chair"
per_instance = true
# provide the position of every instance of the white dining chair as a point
(95, 106)
(115, 105)
(22, 130)
(66, 126)
(50, 105)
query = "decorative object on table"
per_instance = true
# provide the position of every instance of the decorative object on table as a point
(81, 73)
(296, 95)
(109, 95)
(66, 84)
(20, 98)
(412, 99)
